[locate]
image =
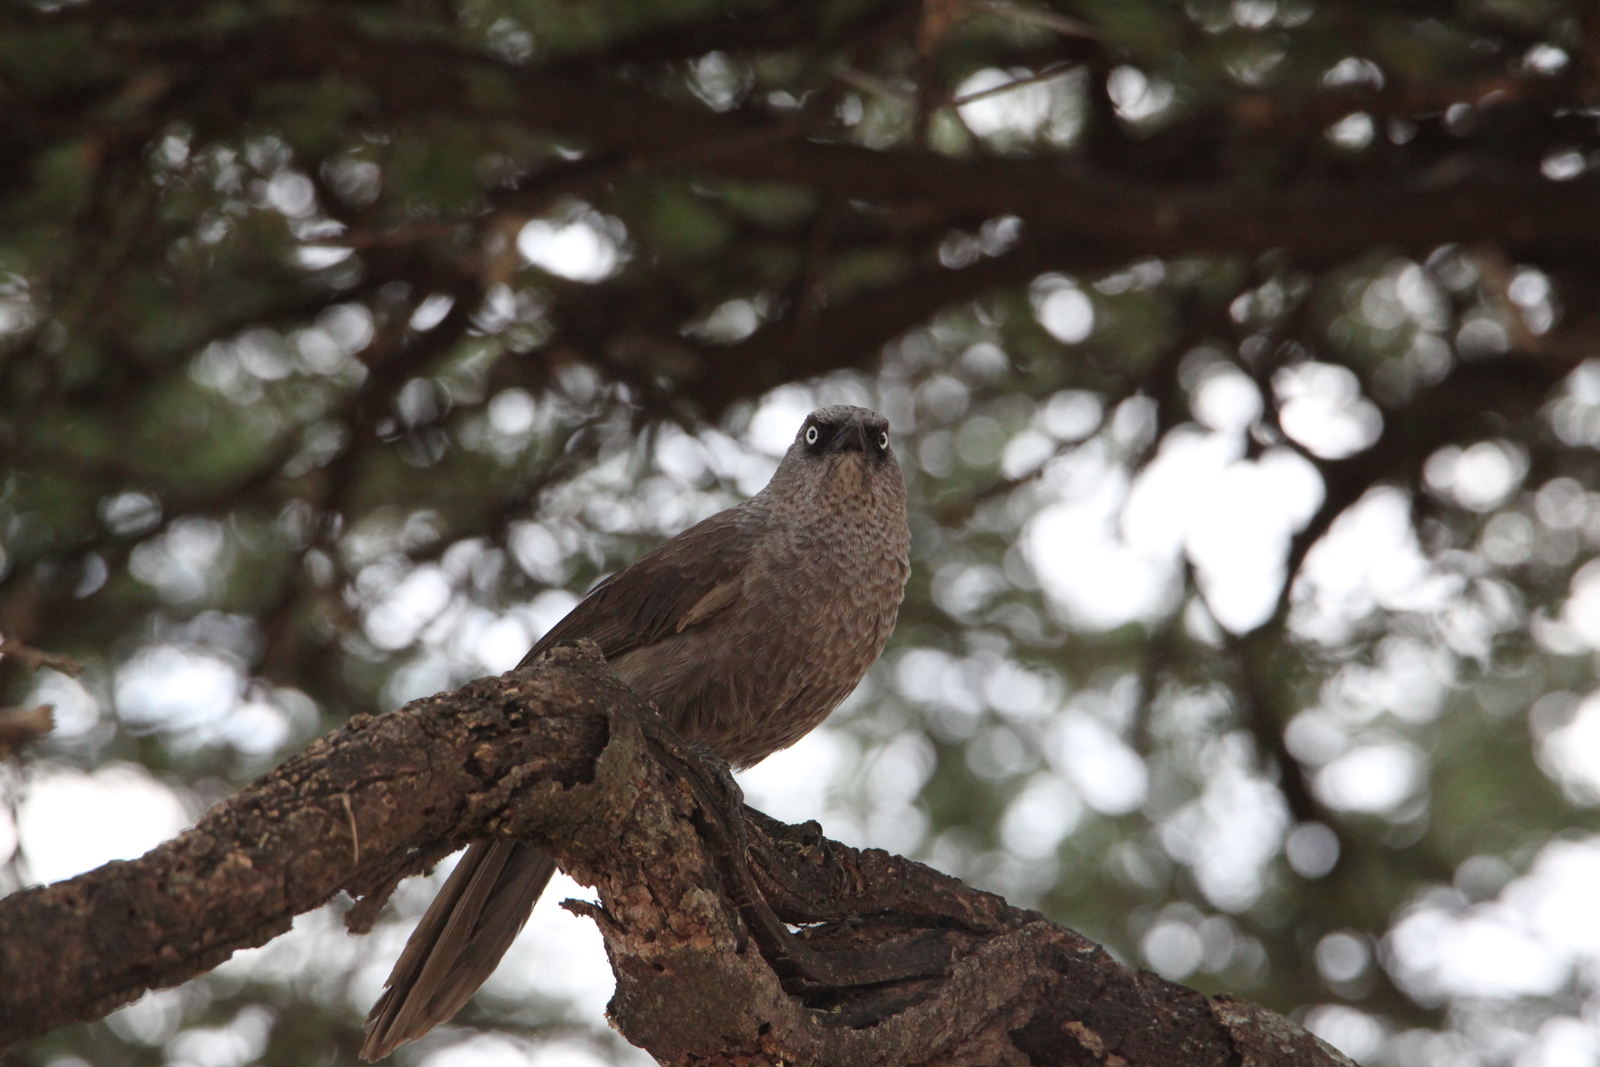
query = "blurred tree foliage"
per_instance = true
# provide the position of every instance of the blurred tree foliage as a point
(341, 343)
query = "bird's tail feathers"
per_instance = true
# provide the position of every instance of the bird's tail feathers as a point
(459, 942)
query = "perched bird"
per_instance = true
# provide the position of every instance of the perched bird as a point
(744, 631)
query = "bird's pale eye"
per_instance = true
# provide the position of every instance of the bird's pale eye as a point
(883, 439)
(811, 435)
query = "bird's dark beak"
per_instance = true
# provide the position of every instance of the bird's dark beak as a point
(854, 439)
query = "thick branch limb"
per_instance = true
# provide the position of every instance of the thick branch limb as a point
(441, 769)
(898, 963)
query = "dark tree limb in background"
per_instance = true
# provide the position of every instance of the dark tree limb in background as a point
(1321, 225)
(896, 963)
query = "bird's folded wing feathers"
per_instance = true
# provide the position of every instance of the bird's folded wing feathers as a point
(681, 584)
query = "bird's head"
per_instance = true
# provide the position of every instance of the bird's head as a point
(844, 448)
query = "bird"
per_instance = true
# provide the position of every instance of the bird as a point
(744, 631)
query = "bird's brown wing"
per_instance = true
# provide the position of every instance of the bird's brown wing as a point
(684, 582)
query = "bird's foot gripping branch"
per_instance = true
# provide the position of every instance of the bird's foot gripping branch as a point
(762, 946)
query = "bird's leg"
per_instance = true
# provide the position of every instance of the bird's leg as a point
(709, 775)
(732, 797)
(752, 861)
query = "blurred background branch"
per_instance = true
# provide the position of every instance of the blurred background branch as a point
(22, 726)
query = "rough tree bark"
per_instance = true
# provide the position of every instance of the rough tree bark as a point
(735, 939)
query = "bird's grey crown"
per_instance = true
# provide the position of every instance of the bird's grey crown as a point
(845, 415)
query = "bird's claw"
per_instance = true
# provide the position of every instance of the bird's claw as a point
(730, 799)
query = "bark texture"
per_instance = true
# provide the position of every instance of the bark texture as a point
(735, 939)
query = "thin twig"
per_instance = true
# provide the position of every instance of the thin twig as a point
(1265, 723)
(395, 238)
(873, 84)
(1033, 16)
(1049, 73)
(34, 658)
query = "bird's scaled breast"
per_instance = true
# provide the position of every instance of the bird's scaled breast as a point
(817, 604)
(843, 575)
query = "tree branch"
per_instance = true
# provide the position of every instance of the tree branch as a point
(23, 726)
(1320, 225)
(896, 963)
(34, 658)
